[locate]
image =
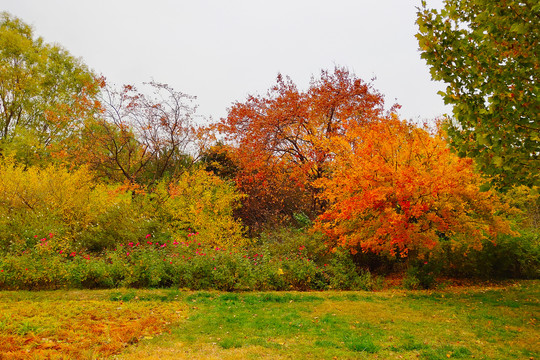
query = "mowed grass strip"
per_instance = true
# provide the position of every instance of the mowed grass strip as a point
(462, 323)
(458, 323)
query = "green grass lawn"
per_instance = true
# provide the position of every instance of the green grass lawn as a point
(497, 322)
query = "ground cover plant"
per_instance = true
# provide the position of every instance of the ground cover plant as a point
(78, 324)
(482, 322)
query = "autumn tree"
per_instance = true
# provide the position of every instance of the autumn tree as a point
(45, 93)
(398, 190)
(140, 138)
(487, 52)
(277, 139)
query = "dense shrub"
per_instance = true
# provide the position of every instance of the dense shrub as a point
(35, 201)
(85, 215)
(182, 264)
(343, 273)
(284, 241)
(421, 274)
(506, 257)
(201, 201)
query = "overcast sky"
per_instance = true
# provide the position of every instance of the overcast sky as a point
(223, 50)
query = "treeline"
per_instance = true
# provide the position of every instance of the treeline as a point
(86, 168)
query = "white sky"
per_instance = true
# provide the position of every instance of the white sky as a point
(223, 50)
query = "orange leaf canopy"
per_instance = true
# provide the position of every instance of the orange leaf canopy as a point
(396, 188)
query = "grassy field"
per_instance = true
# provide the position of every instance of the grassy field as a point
(488, 322)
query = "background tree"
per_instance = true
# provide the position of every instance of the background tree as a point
(45, 93)
(278, 145)
(141, 138)
(397, 190)
(488, 53)
(217, 160)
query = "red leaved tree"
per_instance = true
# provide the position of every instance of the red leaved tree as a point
(277, 141)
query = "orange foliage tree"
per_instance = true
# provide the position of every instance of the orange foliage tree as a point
(66, 122)
(396, 189)
(277, 143)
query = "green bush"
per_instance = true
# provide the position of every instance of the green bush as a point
(34, 270)
(507, 257)
(94, 274)
(421, 274)
(148, 263)
(343, 273)
(285, 241)
(121, 223)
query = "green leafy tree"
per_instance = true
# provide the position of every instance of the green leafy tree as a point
(44, 92)
(488, 54)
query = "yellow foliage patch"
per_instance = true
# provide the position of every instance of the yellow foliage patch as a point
(205, 202)
(79, 329)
